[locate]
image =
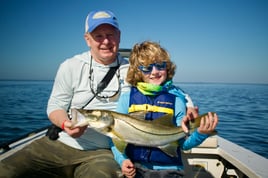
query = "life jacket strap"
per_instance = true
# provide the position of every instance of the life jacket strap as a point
(150, 108)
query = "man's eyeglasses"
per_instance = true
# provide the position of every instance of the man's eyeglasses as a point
(148, 69)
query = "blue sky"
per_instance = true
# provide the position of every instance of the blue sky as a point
(209, 40)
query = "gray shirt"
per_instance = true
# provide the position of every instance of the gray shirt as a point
(74, 82)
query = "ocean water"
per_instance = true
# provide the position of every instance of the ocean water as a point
(242, 110)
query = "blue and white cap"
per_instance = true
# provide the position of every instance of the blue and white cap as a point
(96, 18)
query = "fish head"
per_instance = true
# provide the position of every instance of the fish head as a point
(96, 119)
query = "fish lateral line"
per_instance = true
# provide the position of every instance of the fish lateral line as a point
(152, 123)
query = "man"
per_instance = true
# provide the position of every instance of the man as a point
(79, 152)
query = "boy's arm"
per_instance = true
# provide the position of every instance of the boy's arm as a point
(118, 156)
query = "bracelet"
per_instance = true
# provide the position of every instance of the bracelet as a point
(62, 125)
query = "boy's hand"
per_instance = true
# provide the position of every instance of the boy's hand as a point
(191, 114)
(208, 123)
(128, 169)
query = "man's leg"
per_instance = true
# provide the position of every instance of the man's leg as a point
(100, 163)
(53, 159)
(41, 158)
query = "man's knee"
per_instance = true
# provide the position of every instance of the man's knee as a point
(104, 167)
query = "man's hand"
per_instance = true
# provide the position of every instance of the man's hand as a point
(60, 118)
(73, 132)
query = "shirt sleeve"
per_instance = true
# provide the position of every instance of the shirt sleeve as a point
(180, 110)
(123, 103)
(62, 93)
(193, 140)
(177, 91)
(118, 156)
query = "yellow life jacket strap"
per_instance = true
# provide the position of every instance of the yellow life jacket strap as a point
(148, 107)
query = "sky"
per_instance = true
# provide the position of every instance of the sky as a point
(222, 41)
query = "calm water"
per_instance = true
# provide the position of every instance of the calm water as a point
(243, 110)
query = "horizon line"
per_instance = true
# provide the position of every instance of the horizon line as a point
(175, 82)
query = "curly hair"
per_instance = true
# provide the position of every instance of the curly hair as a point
(144, 54)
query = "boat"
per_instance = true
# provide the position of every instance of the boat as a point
(216, 157)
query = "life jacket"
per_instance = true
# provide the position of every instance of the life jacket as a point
(156, 106)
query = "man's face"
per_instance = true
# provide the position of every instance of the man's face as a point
(104, 43)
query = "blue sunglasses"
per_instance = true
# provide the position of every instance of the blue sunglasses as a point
(148, 69)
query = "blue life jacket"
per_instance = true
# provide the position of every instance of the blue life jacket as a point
(163, 103)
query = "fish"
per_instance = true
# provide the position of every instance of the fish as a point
(125, 128)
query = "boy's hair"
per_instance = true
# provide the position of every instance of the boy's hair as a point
(144, 54)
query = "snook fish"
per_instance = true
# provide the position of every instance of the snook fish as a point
(124, 128)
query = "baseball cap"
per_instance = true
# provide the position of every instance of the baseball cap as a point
(96, 18)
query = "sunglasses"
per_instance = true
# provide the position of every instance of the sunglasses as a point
(148, 69)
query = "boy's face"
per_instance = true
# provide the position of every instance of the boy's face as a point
(156, 77)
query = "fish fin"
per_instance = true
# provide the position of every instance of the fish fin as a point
(112, 134)
(118, 141)
(170, 149)
(166, 120)
(138, 114)
(120, 145)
